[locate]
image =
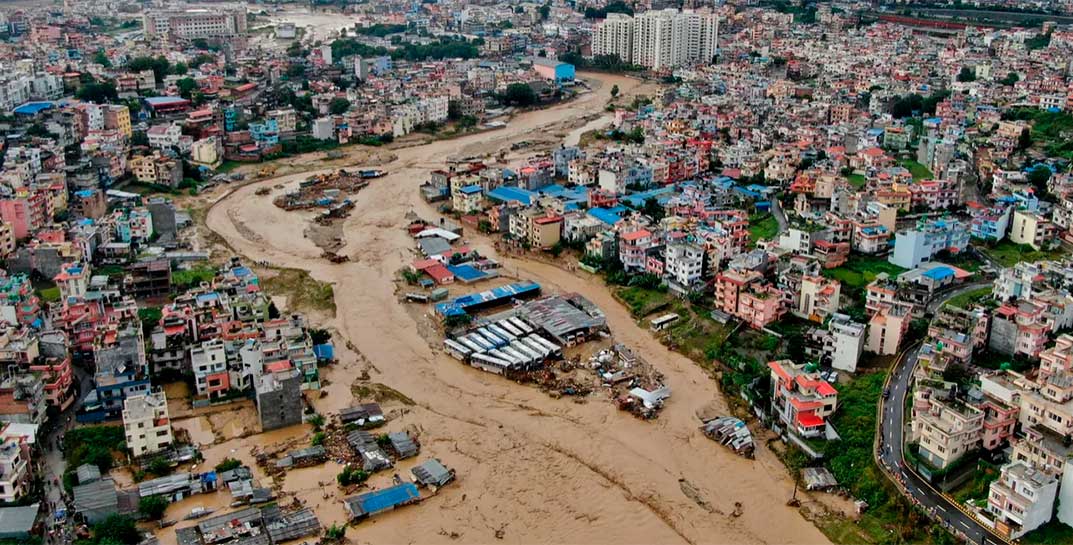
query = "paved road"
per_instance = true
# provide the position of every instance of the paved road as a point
(892, 422)
(780, 216)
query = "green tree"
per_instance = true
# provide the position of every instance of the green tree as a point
(153, 507)
(98, 92)
(101, 58)
(227, 464)
(545, 11)
(520, 94)
(186, 86)
(338, 106)
(179, 69)
(118, 529)
(653, 209)
(159, 65)
(159, 466)
(1038, 177)
(966, 74)
(614, 91)
(1010, 79)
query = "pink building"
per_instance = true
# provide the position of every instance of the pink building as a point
(747, 296)
(25, 213)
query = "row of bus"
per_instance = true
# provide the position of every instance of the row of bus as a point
(503, 346)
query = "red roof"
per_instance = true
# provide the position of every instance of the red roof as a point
(276, 367)
(809, 420)
(439, 273)
(826, 389)
(636, 235)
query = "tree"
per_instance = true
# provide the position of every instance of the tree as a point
(100, 93)
(117, 528)
(966, 74)
(186, 86)
(102, 59)
(520, 94)
(159, 466)
(159, 66)
(227, 465)
(614, 91)
(653, 209)
(545, 10)
(153, 507)
(179, 69)
(338, 106)
(1024, 140)
(1011, 79)
(1038, 177)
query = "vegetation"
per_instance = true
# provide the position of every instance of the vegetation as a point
(643, 301)
(49, 295)
(1051, 130)
(98, 92)
(1052, 533)
(520, 94)
(616, 6)
(914, 104)
(335, 532)
(318, 438)
(227, 465)
(1008, 254)
(381, 29)
(851, 458)
(860, 270)
(969, 298)
(762, 226)
(153, 507)
(338, 106)
(601, 63)
(114, 530)
(977, 488)
(93, 445)
(301, 290)
(919, 171)
(183, 280)
(857, 180)
(351, 475)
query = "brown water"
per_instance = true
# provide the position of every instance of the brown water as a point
(531, 468)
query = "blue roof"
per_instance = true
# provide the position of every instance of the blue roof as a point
(458, 305)
(939, 273)
(159, 101)
(31, 108)
(508, 193)
(380, 500)
(85, 193)
(466, 273)
(324, 351)
(470, 189)
(605, 215)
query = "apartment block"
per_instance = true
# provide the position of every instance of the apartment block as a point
(801, 400)
(146, 423)
(947, 430)
(1022, 499)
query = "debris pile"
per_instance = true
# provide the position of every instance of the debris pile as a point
(326, 191)
(732, 433)
(635, 385)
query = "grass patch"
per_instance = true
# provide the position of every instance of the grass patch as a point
(857, 180)
(228, 166)
(183, 280)
(978, 487)
(50, 295)
(861, 270)
(1009, 254)
(301, 291)
(969, 298)
(762, 227)
(919, 171)
(643, 301)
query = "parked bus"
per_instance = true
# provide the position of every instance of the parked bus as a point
(509, 327)
(661, 323)
(457, 350)
(520, 324)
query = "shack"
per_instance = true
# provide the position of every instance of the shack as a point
(366, 415)
(303, 458)
(371, 503)
(372, 456)
(96, 500)
(403, 445)
(432, 473)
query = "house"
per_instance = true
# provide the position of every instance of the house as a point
(432, 473)
(684, 266)
(819, 298)
(378, 501)
(1021, 499)
(887, 327)
(1033, 229)
(468, 199)
(279, 399)
(915, 246)
(800, 399)
(749, 297)
(839, 345)
(15, 470)
(146, 424)
(946, 430)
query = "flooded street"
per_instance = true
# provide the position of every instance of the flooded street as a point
(530, 468)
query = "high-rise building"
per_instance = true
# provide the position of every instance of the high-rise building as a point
(614, 36)
(195, 23)
(659, 39)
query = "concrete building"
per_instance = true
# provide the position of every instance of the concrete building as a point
(801, 400)
(819, 298)
(1022, 499)
(15, 474)
(209, 363)
(886, 328)
(843, 343)
(614, 36)
(684, 265)
(1033, 229)
(146, 423)
(946, 431)
(915, 246)
(658, 39)
(279, 399)
(190, 24)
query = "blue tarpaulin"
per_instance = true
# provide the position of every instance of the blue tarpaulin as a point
(382, 500)
(324, 351)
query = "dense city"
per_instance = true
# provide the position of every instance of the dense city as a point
(332, 271)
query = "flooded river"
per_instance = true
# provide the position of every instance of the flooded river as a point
(530, 468)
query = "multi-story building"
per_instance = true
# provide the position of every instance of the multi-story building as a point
(684, 265)
(887, 327)
(209, 363)
(195, 23)
(658, 39)
(915, 246)
(801, 400)
(1021, 499)
(1033, 229)
(819, 298)
(946, 431)
(749, 297)
(15, 472)
(146, 423)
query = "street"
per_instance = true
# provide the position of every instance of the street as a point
(891, 458)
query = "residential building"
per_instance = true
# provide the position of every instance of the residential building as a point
(819, 298)
(15, 470)
(887, 327)
(146, 423)
(1021, 499)
(209, 363)
(1033, 229)
(684, 265)
(915, 246)
(946, 431)
(748, 296)
(801, 400)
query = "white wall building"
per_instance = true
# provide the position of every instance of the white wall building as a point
(659, 39)
(685, 263)
(146, 423)
(1022, 498)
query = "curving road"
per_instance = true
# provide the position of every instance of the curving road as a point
(891, 460)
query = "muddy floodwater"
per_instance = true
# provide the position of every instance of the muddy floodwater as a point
(531, 469)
